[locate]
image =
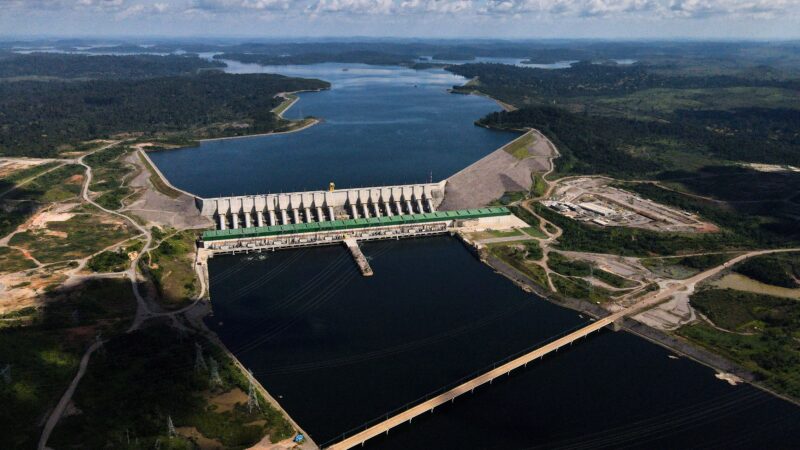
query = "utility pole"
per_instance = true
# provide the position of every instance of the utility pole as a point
(252, 398)
(6, 374)
(171, 427)
(215, 378)
(199, 361)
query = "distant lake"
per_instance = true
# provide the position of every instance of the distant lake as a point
(380, 126)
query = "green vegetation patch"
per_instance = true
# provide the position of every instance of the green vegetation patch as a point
(519, 147)
(109, 176)
(171, 267)
(579, 289)
(12, 260)
(521, 256)
(82, 235)
(685, 267)
(539, 185)
(45, 346)
(778, 270)
(152, 372)
(24, 174)
(525, 215)
(17, 206)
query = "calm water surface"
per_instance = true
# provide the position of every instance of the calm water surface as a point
(338, 349)
(381, 126)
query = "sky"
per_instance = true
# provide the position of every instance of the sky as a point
(611, 19)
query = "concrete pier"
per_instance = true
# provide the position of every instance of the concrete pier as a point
(361, 260)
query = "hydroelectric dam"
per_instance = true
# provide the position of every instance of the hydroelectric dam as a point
(255, 223)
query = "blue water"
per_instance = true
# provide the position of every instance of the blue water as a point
(381, 126)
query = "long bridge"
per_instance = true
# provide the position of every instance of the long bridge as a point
(358, 438)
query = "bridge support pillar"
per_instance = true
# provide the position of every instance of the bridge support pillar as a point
(284, 217)
(295, 215)
(247, 223)
(330, 213)
(272, 218)
(308, 215)
(365, 210)
(353, 211)
(409, 208)
(222, 222)
(320, 215)
(399, 207)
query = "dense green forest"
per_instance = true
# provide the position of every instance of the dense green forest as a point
(72, 66)
(523, 85)
(634, 148)
(36, 118)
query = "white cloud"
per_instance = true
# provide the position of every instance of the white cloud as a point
(460, 10)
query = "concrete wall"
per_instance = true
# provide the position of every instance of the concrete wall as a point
(320, 206)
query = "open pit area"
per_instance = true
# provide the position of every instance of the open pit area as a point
(595, 200)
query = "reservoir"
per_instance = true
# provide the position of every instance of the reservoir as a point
(380, 126)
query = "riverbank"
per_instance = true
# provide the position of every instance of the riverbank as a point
(671, 342)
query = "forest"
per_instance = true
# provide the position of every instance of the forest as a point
(627, 147)
(38, 118)
(73, 66)
(520, 85)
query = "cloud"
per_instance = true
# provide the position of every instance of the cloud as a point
(460, 10)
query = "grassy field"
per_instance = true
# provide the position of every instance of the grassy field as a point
(170, 266)
(45, 347)
(24, 174)
(539, 185)
(12, 260)
(152, 372)
(78, 237)
(579, 289)
(110, 173)
(61, 184)
(519, 147)
(521, 257)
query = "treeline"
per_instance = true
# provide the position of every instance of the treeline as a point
(516, 84)
(72, 66)
(362, 57)
(36, 118)
(603, 144)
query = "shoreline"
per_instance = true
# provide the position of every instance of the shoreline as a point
(199, 322)
(673, 343)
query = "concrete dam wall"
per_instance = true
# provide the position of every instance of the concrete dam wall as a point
(247, 211)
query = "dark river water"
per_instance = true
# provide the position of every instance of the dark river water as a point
(338, 349)
(381, 126)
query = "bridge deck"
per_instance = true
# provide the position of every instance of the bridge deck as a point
(646, 302)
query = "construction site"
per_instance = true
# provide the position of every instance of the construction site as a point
(594, 200)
